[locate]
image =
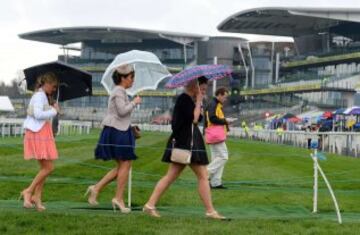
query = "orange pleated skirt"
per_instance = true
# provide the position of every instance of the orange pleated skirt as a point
(40, 145)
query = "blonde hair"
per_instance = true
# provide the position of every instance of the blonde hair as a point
(48, 77)
(194, 84)
(191, 85)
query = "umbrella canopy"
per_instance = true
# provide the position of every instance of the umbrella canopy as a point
(355, 110)
(327, 115)
(294, 119)
(311, 116)
(273, 117)
(339, 111)
(73, 82)
(288, 116)
(211, 72)
(149, 71)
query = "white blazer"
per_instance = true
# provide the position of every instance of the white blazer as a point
(39, 111)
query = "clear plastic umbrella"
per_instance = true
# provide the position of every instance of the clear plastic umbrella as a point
(149, 71)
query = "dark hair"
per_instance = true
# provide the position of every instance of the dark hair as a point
(221, 91)
(117, 77)
(202, 80)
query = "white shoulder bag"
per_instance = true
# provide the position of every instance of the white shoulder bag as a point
(182, 156)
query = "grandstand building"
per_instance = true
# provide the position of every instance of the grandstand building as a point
(99, 46)
(320, 68)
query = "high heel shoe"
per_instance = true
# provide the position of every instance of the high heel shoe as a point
(151, 211)
(215, 215)
(115, 203)
(38, 205)
(92, 198)
(27, 203)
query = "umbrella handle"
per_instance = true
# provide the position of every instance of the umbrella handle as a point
(58, 94)
(20, 82)
(137, 107)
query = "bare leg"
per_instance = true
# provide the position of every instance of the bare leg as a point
(95, 189)
(173, 172)
(38, 191)
(110, 176)
(46, 167)
(38, 188)
(203, 186)
(122, 177)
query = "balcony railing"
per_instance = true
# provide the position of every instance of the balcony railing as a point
(313, 60)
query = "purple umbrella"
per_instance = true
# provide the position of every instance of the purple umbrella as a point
(211, 72)
(352, 111)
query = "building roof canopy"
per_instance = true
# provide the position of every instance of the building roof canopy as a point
(291, 22)
(67, 35)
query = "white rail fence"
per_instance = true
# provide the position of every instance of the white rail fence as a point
(346, 143)
(13, 127)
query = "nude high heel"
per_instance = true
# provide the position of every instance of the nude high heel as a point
(38, 205)
(215, 215)
(115, 203)
(92, 197)
(27, 204)
(151, 211)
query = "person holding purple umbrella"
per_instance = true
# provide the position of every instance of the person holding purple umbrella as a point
(186, 136)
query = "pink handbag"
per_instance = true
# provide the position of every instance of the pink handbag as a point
(215, 134)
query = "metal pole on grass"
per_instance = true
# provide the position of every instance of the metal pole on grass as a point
(315, 195)
(317, 168)
(129, 187)
(332, 195)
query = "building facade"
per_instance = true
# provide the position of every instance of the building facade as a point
(100, 45)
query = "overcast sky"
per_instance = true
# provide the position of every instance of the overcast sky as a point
(193, 16)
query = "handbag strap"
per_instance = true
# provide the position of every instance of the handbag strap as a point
(192, 137)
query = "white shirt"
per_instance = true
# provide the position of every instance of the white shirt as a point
(41, 112)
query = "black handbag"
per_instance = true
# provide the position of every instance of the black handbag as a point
(136, 131)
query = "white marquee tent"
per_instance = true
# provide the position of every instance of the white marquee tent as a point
(6, 105)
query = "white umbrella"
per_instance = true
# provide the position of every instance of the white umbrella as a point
(149, 71)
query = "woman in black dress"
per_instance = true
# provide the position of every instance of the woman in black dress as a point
(186, 113)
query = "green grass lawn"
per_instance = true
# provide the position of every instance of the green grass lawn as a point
(269, 192)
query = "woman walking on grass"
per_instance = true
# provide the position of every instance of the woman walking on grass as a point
(117, 142)
(39, 143)
(186, 135)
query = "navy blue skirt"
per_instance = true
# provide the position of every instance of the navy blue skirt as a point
(115, 144)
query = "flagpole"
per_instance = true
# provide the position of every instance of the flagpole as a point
(214, 82)
(129, 187)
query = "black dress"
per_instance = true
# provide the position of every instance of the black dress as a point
(182, 120)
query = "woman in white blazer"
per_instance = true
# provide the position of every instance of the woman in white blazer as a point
(39, 143)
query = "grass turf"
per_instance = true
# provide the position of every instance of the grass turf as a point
(269, 192)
